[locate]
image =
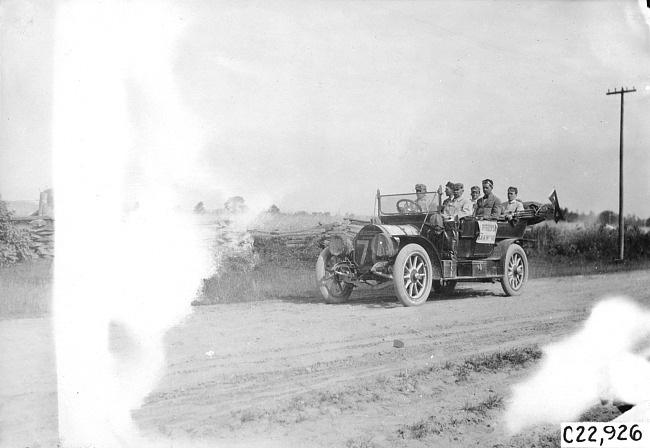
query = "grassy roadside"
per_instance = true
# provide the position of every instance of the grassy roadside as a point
(558, 266)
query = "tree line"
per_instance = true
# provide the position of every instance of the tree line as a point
(606, 217)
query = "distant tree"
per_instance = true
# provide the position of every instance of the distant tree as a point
(633, 220)
(301, 213)
(198, 208)
(235, 204)
(608, 217)
(273, 209)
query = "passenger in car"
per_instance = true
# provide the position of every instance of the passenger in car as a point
(512, 206)
(475, 193)
(489, 206)
(459, 207)
(447, 207)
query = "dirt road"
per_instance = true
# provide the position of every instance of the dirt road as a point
(298, 372)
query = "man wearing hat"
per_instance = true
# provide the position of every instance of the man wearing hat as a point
(489, 206)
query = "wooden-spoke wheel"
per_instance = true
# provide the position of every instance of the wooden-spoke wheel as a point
(412, 275)
(330, 283)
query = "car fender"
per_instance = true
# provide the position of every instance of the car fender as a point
(391, 230)
(429, 247)
(502, 246)
(400, 230)
(365, 236)
(406, 234)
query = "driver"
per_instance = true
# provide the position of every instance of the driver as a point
(421, 197)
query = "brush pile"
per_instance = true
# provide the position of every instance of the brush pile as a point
(41, 232)
(314, 236)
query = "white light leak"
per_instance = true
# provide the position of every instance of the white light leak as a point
(645, 11)
(121, 278)
(605, 361)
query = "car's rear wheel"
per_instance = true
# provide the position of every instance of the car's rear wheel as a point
(515, 270)
(412, 275)
(330, 284)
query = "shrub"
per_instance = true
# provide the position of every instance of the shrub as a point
(589, 242)
(233, 252)
(14, 242)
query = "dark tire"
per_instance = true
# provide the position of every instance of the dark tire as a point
(515, 270)
(331, 287)
(446, 288)
(412, 275)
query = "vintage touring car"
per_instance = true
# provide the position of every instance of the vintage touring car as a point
(412, 246)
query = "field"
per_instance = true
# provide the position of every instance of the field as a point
(268, 364)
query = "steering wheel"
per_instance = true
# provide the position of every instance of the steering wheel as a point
(408, 206)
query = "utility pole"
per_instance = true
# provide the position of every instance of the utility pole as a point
(621, 226)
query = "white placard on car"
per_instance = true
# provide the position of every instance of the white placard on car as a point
(487, 232)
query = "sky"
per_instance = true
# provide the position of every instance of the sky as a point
(316, 105)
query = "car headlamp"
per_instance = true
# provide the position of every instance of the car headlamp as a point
(339, 244)
(383, 245)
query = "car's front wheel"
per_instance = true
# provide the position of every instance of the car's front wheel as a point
(330, 284)
(412, 275)
(515, 270)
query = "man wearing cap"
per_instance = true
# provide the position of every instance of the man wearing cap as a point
(462, 206)
(489, 206)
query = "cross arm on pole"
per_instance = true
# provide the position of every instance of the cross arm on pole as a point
(620, 92)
